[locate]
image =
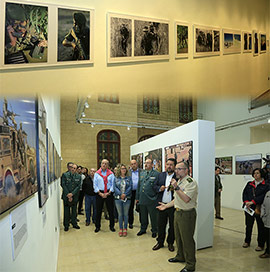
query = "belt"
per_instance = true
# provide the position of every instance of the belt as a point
(181, 210)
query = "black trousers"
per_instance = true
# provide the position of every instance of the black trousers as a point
(267, 239)
(110, 207)
(163, 217)
(249, 226)
(131, 208)
(80, 202)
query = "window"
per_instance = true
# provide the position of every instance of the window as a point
(109, 98)
(108, 147)
(151, 105)
(185, 111)
(145, 137)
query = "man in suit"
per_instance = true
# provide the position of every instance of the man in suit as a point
(134, 172)
(146, 197)
(218, 189)
(165, 195)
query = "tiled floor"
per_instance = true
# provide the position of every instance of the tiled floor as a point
(83, 250)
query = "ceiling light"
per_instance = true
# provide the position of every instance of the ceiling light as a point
(86, 105)
(268, 121)
(128, 128)
(83, 114)
(92, 125)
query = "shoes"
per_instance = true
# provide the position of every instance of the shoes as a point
(154, 235)
(76, 227)
(81, 213)
(245, 245)
(258, 248)
(171, 247)
(66, 229)
(219, 217)
(87, 223)
(264, 256)
(120, 233)
(112, 229)
(97, 229)
(186, 270)
(125, 233)
(130, 226)
(174, 260)
(157, 246)
(141, 233)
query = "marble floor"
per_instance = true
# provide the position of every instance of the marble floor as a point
(83, 250)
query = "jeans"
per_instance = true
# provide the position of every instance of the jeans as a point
(122, 209)
(90, 201)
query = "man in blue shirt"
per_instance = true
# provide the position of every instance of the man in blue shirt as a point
(103, 186)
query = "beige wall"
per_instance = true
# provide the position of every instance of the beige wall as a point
(260, 134)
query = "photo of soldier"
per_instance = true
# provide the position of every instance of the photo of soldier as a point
(182, 39)
(224, 164)
(26, 36)
(151, 38)
(263, 42)
(73, 35)
(156, 157)
(244, 165)
(139, 159)
(204, 40)
(121, 35)
(216, 40)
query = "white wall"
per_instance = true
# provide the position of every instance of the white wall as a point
(40, 251)
(202, 135)
(235, 74)
(233, 185)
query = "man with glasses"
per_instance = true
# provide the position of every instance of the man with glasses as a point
(185, 202)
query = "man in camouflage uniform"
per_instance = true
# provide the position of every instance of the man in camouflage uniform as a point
(185, 202)
(70, 182)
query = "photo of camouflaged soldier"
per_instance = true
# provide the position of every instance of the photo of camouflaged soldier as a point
(26, 33)
(73, 35)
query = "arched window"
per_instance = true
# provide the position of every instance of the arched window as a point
(108, 147)
(145, 137)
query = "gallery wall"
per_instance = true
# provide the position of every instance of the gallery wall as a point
(236, 73)
(203, 137)
(40, 251)
(233, 185)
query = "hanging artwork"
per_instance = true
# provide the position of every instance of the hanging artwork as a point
(262, 43)
(255, 43)
(225, 165)
(132, 38)
(50, 164)
(181, 40)
(206, 41)
(181, 152)
(18, 172)
(156, 157)
(247, 42)
(139, 159)
(231, 41)
(245, 164)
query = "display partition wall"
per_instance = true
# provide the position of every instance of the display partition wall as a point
(202, 135)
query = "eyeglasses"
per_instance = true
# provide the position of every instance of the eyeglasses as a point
(180, 168)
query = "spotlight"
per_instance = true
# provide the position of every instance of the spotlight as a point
(268, 121)
(80, 121)
(92, 125)
(83, 114)
(128, 128)
(86, 105)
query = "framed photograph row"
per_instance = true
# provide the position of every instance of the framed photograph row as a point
(28, 156)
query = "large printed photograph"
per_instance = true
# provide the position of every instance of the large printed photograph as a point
(231, 41)
(181, 152)
(182, 37)
(73, 35)
(247, 42)
(156, 157)
(139, 159)
(50, 162)
(18, 172)
(245, 164)
(224, 164)
(26, 34)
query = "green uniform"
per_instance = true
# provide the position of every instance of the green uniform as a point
(71, 184)
(185, 221)
(147, 196)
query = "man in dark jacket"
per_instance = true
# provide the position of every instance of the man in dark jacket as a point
(218, 189)
(165, 195)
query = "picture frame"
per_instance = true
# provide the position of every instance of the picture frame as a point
(245, 164)
(181, 152)
(18, 173)
(156, 157)
(182, 38)
(134, 38)
(255, 36)
(139, 159)
(232, 41)
(247, 41)
(50, 157)
(224, 164)
(262, 42)
(207, 41)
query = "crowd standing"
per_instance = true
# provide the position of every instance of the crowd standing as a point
(166, 197)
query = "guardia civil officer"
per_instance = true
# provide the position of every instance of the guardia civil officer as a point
(185, 202)
(70, 182)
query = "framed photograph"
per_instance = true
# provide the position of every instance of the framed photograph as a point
(247, 41)
(245, 164)
(181, 152)
(55, 154)
(262, 43)
(25, 34)
(50, 164)
(132, 38)
(139, 159)
(156, 156)
(181, 40)
(206, 41)
(18, 134)
(42, 171)
(255, 43)
(231, 41)
(74, 35)
(225, 165)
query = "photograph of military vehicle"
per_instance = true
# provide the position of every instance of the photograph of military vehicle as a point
(18, 174)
